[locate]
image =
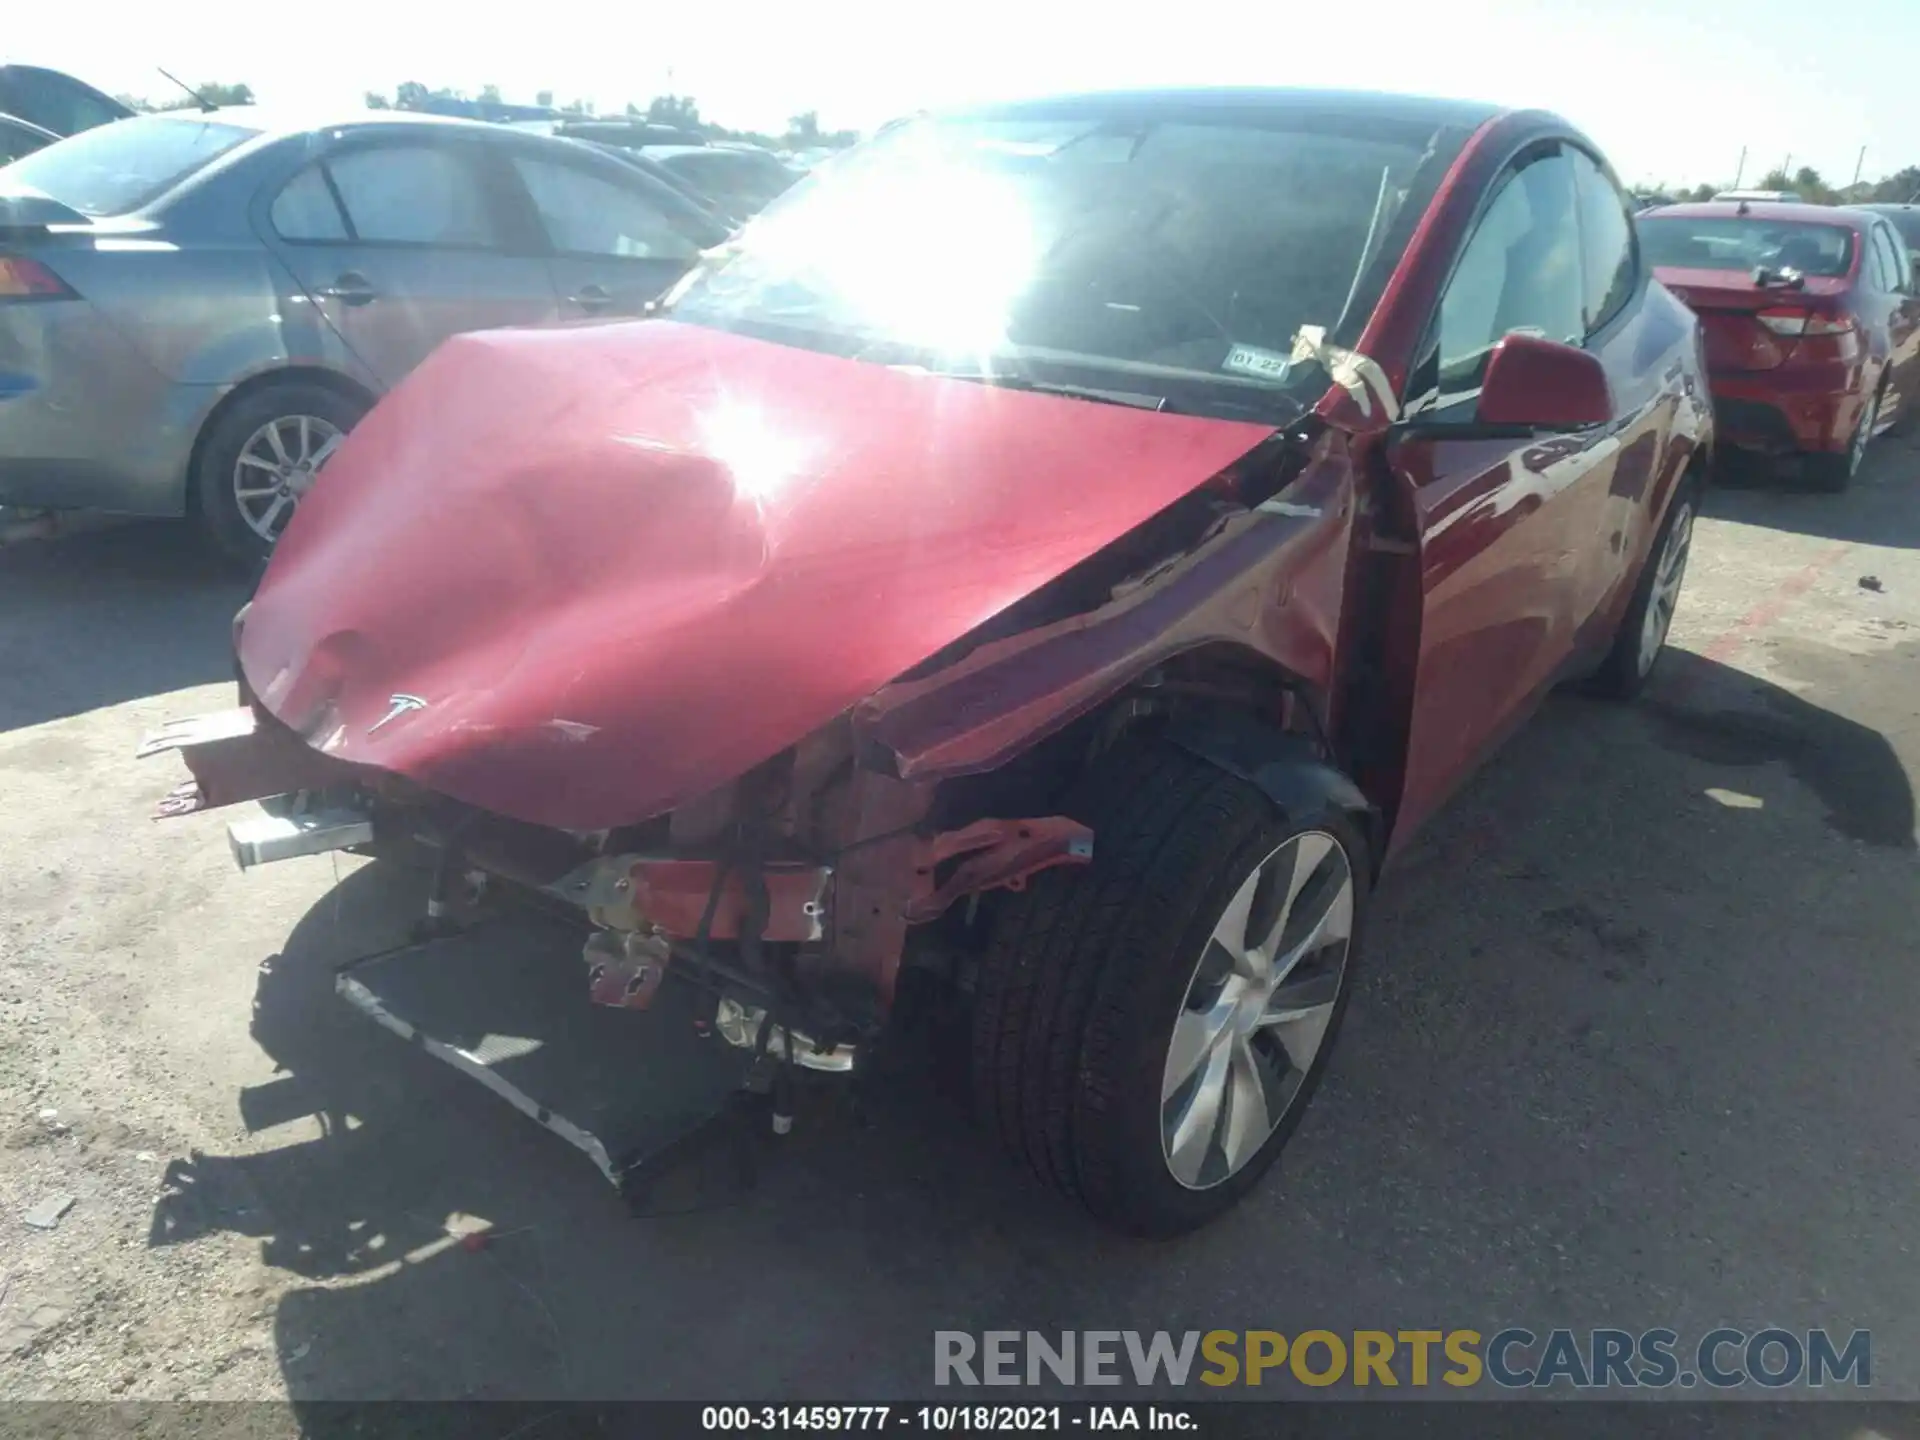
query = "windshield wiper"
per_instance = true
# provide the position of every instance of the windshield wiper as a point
(1046, 387)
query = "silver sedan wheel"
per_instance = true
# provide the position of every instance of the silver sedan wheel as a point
(1670, 571)
(277, 467)
(1257, 1010)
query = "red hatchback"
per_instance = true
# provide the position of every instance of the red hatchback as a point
(1812, 323)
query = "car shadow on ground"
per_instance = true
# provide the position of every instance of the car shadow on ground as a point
(106, 615)
(1559, 1088)
(1882, 506)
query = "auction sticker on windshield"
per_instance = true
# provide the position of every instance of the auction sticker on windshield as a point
(1264, 364)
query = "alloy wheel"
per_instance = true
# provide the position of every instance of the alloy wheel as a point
(1257, 1010)
(1670, 571)
(277, 466)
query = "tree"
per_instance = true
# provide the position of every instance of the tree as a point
(377, 101)
(1808, 184)
(1900, 188)
(680, 110)
(544, 98)
(803, 130)
(211, 93)
(489, 94)
(577, 107)
(411, 95)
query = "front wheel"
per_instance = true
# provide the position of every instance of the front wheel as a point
(260, 458)
(1149, 1031)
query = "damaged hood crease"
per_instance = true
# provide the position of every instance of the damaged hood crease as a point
(577, 577)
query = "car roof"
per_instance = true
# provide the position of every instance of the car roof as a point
(1247, 100)
(1800, 212)
(1883, 207)
(276, 120)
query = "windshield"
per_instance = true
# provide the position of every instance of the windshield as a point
(120, 167)
(1184, 252)
(1726, 242)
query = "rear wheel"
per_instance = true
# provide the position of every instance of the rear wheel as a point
(1834, 473)
(261, 457)
(1149, 1031)
(1642, 636)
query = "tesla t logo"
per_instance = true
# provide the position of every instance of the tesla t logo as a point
(401, 705)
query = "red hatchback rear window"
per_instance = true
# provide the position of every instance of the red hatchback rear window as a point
(1728, 242)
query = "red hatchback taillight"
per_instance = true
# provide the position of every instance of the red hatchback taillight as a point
(24, 279)
(1804, 322)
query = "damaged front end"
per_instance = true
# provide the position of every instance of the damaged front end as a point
(763, 749)
(769, 919)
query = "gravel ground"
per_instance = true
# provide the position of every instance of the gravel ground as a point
(1635, 1046)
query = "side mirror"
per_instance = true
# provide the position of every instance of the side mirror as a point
(1543, 385)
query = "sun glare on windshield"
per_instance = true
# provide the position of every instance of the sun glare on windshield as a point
(935, 257)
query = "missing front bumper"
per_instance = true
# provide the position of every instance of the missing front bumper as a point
(503, 1004)
(263, 839)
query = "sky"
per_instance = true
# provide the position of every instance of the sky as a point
(1671, 90)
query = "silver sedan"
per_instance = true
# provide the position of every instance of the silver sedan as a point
(195, 307)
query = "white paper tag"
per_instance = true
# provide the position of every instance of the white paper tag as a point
(1264, 364)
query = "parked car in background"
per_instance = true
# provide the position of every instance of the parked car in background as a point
(742, 179)
(1050, 568)
(55, 102)
(737, 180)
(1812, 323)
(1651, 202)
(18, 138)
(629, 146)
(1903, 218)
(194, 308)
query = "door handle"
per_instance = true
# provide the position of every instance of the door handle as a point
(591, 297)
(351, 288)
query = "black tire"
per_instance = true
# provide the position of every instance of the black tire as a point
(1622, 675)
(1087, 972)
(1832, 474)
(215, 505)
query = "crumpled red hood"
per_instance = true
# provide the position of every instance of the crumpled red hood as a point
(611, 568)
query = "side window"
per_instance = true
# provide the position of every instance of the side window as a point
(585, 214)
(413, 195)
(56, 103)
(304, 210)
(1610, 260)
(1893, 261)
(1521, 271)
(17, 140)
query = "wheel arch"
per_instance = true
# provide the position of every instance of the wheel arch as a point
(342, 385)
(1289, 768)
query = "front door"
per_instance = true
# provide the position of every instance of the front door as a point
(403, 243)
(1507, 526)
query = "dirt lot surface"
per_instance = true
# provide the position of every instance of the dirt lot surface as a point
(1635, 1046)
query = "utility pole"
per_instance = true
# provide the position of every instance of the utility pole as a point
(1859, 165)
(1740, 170)
(1786, 167)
